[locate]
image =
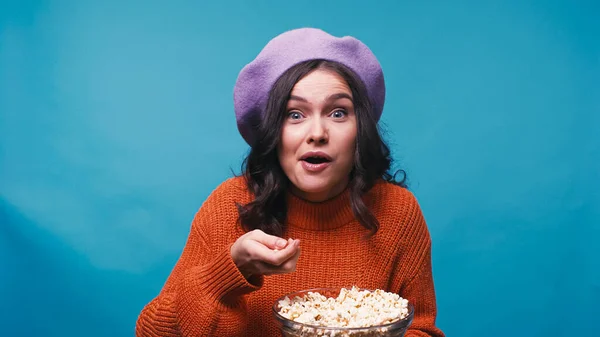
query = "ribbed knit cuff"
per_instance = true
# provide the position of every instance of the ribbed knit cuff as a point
(220, 280)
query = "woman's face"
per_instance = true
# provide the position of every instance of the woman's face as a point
(318, 138)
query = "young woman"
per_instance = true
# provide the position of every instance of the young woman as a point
(316, 205)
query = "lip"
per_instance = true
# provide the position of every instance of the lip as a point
(315, 167)
(316, 154)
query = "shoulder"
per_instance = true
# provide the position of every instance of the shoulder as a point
(232, 190)
(392, 196)
(219, 211)
(397, 209)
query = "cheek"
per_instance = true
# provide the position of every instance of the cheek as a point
(348, 145)
(287, 148)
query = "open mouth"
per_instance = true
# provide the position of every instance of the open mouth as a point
(316, 160)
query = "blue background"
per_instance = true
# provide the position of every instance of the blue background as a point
(116, 122)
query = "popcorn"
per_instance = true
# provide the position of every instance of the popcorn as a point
(353, 308)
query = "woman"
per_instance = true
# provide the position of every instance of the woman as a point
(317, 174)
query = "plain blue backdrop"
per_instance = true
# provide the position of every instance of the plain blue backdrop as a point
(116, 122)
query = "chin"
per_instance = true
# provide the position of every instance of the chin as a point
(312, 185)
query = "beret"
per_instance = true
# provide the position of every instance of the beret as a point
(255, 80)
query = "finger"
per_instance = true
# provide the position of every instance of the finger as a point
(267, 269)
(271, 241)
(290, 265)
(289, 241)
(276, 258)
(262, 253)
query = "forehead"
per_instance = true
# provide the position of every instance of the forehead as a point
(321, 82)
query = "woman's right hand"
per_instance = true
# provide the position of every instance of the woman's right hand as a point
(258, 253)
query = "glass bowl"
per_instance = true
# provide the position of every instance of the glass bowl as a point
(290, 328)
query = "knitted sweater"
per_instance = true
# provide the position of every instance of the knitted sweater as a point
(206, 295)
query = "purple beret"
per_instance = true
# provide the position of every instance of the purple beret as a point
(254, 82)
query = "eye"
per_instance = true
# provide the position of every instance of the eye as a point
(339, 114)
(294, 115)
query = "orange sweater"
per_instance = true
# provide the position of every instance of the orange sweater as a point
(206, 295)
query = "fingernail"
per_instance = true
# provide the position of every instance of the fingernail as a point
(281, 243)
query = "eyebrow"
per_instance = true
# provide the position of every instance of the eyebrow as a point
(330, 98)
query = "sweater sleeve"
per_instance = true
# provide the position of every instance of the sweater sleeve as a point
(203, 294)
(420, 292)
(413, 279)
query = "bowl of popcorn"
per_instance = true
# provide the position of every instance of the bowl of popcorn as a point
(343, 312)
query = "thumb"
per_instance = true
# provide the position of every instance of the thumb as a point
(271, 241)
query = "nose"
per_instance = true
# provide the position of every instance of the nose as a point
(318, 133)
